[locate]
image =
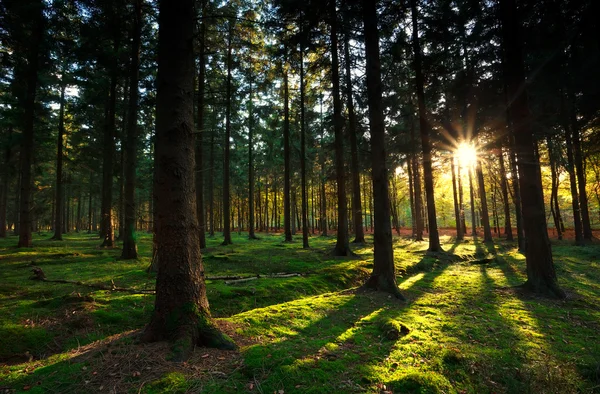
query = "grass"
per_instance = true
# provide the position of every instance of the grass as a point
(464, 329)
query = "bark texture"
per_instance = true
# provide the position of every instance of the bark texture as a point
(383, 277)
(181, 311)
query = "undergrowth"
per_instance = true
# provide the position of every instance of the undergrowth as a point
(464, 329)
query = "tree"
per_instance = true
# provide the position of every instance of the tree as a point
(434, 238)
(541, 275)
(383, 277)
(181, 312)
(33, 49)
(342, 245)
(227, 143)
(129, 244)
(58, 202)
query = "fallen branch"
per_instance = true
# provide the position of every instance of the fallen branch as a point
(38, 274)
(273, 276)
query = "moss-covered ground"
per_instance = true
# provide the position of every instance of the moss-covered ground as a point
(464, 328)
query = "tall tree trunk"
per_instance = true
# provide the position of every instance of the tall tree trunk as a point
(459, 227)
(472, 196)
(416, 184)
(58, 203)
(359, 233)
(580, 173)
(411, 194)
(211, 192)
(129, 244)
(227, 143)
(287, 218)
(554, 207)
(323, 195)
(541, 275)
(574, 194)
(107, 230)
(181, 311)
(251, 234)
(4, 172)
(342, 245)
(304, 199)
(504, 189)
(383, 277)
(434, 238)
(200, 130)
(485, 216)
(26, 155)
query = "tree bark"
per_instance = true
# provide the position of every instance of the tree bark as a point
(359, 233)
(342, 245)
(485, 216)
(504, 189)
(181, 311)
(26, 155)
(4, 185)
(383, 277)
(129, 244)
(287, 214)
(434, 238)
(304, 199)
(457, 215)
(541, 275)
(200, 130)
(227, 145)
(58, 203)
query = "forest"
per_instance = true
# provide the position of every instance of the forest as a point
(353, 196)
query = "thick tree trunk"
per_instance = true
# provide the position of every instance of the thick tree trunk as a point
(304, 199)
(227, 144)
(485, 216)
(129, 244)
(359, 233)
(181, 311)
(107, 230)
(434, 238)
(541, 275)
(26, 155)
(342, 245)
(58, 202)
(383, 277)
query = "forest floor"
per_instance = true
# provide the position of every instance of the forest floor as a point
(464, 328)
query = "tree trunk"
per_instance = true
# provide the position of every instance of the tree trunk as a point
(58, 203)
(107, 231)
(304, 199)
(541, 275)
(287, 218)
(251, 234)
(181, 311)
(26, 155)
(342, 246)
(472, 196)
(4, 172)
(323, 196)
(504, 189)
(574, 194)
(416, 184)
(359, 233)
(211, 193)
(200, 130)
(434, 239)
(129, 244)
(383, 277)
(459, 227)
(227, 143)
(485, 216)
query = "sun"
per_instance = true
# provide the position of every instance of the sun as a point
(466, 154)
